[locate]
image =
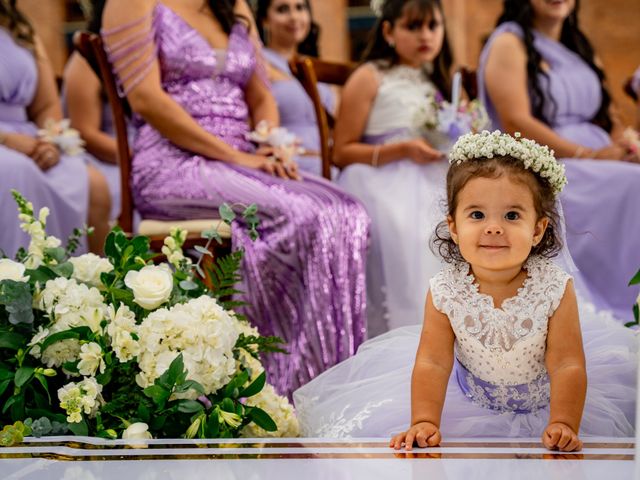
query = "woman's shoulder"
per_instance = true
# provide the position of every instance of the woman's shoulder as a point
(364, 80)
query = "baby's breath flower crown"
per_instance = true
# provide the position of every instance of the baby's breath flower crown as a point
(537, 158)
(376, 7)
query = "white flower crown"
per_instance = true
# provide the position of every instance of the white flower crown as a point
(376, 7)
(537, 158)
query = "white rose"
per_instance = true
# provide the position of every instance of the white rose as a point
(87, 268)
(10, 270)
(137, 431)
(151, 286)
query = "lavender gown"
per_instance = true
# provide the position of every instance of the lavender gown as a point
(297, 113)
(63, 188)
(304, 277)
(601, 201)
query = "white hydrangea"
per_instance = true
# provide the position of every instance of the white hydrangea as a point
(71, 304)
(88, 267)
(82, 397)
(279, 409)
(537, 158)
(202, 331)
(58, 353)
(121, 329)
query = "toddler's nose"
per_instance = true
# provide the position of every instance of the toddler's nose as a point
(494, 229)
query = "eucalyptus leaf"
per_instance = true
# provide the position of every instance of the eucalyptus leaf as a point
(188, 285)
(226, 213)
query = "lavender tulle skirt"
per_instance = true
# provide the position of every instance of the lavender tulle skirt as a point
(368, 395)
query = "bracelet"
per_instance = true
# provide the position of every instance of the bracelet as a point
(375, 155)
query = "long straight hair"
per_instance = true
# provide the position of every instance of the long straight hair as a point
(521, 12)
(17, 25)
(223, 11)
(309, 46)
(378, 48)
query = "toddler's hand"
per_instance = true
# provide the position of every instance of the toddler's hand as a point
(425, 434)
(558, 436)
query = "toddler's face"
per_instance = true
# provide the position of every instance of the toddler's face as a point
(495, 223)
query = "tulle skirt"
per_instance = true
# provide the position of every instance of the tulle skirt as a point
(368, 395)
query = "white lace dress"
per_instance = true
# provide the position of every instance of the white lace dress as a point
(404, 200)
(499, 386)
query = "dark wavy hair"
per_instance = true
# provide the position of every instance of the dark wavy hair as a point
(521, 12)
(378, 48)
(94, 22)
(17, 24)
(223, 10)
(544, 201)
(309, 46)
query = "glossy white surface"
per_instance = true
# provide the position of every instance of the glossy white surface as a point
(75, 458)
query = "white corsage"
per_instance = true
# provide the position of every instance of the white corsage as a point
(376, 7)
(67, 139)
(277, 137)
(632, 138)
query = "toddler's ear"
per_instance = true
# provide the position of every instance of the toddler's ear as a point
(452, 229)
(540, 228)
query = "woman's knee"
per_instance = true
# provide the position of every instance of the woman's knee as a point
(99, 196)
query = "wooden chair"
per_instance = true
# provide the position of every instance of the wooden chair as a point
(309, 71)
(90, 46)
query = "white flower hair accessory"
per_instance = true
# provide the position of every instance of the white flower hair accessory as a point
(537, 158)
(376, 7)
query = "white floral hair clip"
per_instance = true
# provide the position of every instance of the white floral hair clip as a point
(376, 7)
(537, 158)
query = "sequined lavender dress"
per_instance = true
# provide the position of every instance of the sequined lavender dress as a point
(601, 200)
(297, 113)
(63, 188)
(499, 386)
(304, 276)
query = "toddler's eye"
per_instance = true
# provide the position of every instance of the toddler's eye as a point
(512, 216)
(477, 215)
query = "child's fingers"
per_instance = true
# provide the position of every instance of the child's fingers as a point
(565, 438)
(574, 445)
(408, 441)
(421, 439)
(434, 439)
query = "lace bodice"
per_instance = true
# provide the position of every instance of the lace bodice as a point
(501, 346)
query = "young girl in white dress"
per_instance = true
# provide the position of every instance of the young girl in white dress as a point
(501, 314)
(387, 160)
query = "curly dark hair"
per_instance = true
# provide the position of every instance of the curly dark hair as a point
(543, 198)
(378, 48)
(309, 46)
(17, 25)
(521, 12)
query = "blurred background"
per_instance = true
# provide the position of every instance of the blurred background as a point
(613, 26)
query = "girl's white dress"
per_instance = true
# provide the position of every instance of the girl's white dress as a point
(499, 385)
(405, 201)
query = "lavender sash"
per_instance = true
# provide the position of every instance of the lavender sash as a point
(522, 398)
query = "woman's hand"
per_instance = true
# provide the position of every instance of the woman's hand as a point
(44, 154)
(559, 436)
(421, 152)
(425, 434)
(267, 163)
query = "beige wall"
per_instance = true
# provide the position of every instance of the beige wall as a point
(47, 17)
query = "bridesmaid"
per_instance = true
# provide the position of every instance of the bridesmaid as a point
(190, 73)
(74, 192)
(556, 95)
(87, 107)
(287, 28)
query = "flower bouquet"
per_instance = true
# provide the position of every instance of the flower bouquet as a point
(636, 306)
(451, 119)
(121, 347)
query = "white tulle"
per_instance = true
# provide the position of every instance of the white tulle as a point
(368, 395)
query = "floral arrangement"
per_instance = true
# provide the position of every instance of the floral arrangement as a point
(632, 138)
(537, 158)
(452, 118)
(121, 347)
(636, 306)
(60, 133)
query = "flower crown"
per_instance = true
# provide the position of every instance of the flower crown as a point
(537, 158)
(376, 7)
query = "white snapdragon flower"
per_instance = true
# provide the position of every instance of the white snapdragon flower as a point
(91, 359)
(10, 270)
(88, 267)
(152, 285)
